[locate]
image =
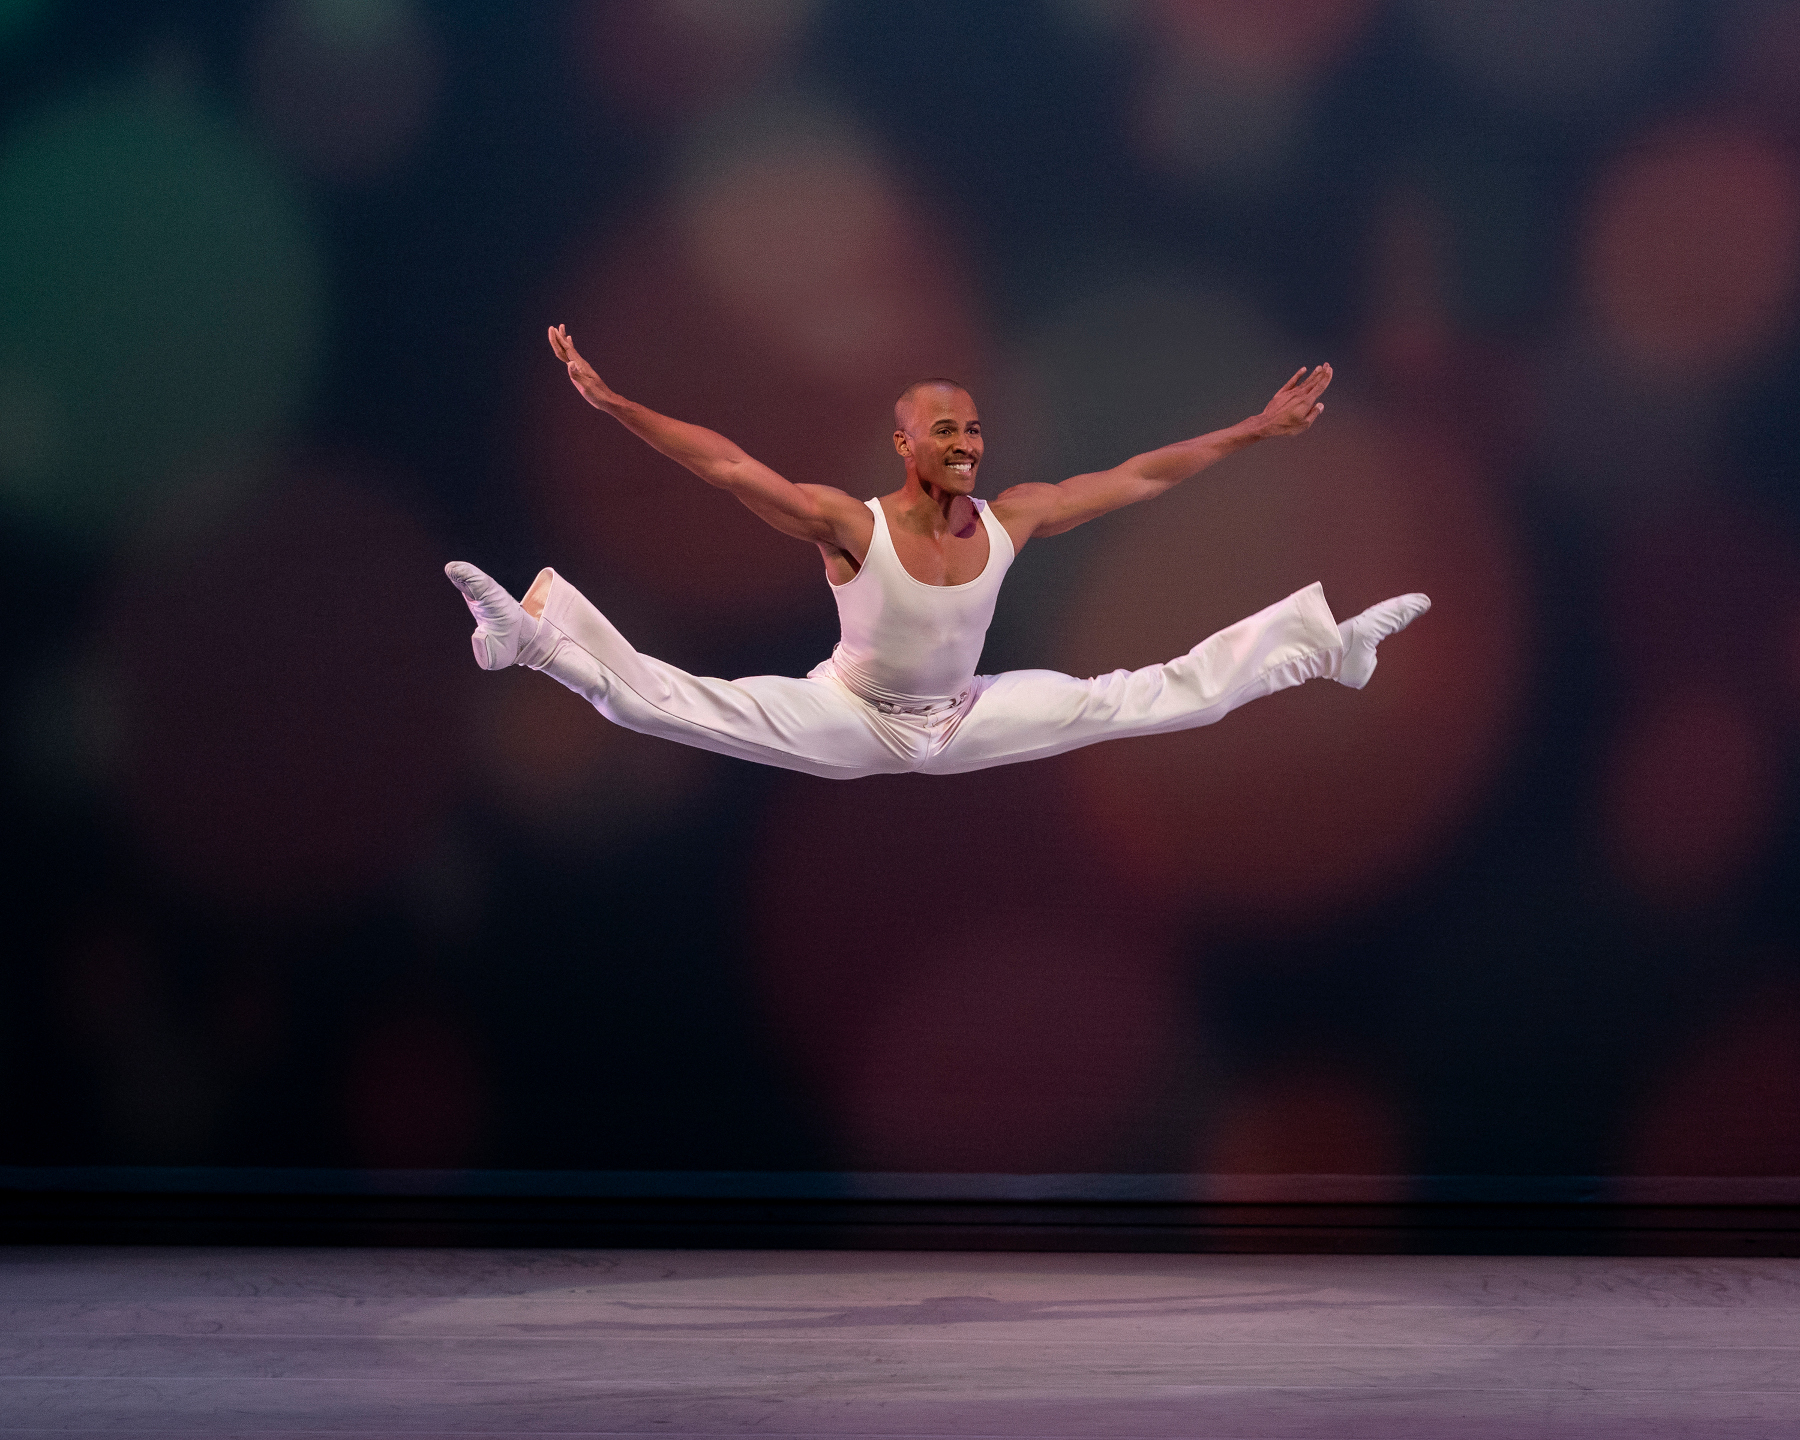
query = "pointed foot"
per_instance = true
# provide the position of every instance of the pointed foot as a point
(1362, 633)
(502, 627)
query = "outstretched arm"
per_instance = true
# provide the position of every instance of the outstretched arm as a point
(818, 513)
(1051, 509)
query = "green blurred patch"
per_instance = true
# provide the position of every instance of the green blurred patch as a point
(161, 300)
(15, 15)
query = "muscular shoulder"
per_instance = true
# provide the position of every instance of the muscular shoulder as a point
(847, 523)
(1023, 508)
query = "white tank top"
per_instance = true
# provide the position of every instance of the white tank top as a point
(911, 645)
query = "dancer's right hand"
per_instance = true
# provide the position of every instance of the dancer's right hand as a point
(593, 389)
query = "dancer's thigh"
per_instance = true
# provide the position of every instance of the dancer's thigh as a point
(1026, 715)
(812, 725)
(807, 725)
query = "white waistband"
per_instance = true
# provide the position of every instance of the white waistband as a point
(887, 704)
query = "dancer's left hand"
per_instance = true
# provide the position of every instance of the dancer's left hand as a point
(1297, 404)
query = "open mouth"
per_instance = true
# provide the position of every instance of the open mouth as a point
(962, 467)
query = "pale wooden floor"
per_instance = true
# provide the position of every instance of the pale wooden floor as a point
(629, 1343)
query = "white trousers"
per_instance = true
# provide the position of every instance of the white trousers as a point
(819, 727)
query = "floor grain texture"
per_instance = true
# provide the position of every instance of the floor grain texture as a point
(272, 1343)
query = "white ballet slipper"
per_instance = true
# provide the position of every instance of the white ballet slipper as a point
(1362, 633)
(504, 633)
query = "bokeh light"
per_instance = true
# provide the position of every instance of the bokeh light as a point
(661, 61)
(1309, 1118)
(1702, 594)
(345, 86)
(1729, 1103)
(1690, 796)
(1143, 360)
(289, 692)
(956, 984)
(702, 314)
(1761, 42)
(560, 769)
(16, 15)
(1690, 261)
(1325, 797)
(1225, 89)
(1122, 367)
(1696, 600)
(1549, 58)
(160, 301)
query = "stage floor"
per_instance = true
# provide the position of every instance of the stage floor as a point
(627, 1343)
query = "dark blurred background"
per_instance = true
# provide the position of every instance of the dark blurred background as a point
(290, 882)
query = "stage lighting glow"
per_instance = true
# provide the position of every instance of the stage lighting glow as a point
(666, 60)
(1308, 1119)
(1122, 369)
(1225, 85)
(809, 238)
(1325, 797)
(1547, 57)
(1690, 262)
(290, 692)
(974, 994)
(564, 772)
(699, 313)
(15, 15)
(1690, 796)
(347, 88)
(160, 301)
(1729, 1104)
(1762, 49)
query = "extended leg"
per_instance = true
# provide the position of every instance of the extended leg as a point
(813, 726)
(1029, 714)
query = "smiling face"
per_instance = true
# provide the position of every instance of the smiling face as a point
(938, 434)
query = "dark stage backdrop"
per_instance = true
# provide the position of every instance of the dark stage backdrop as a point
(290, 883)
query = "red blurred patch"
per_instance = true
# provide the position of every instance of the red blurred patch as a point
(1763, 55)
(285, 689)
(1690, 797)
(1327, 797)
(665, 60)
(554, 762)
(415, 1096)
(937, 958)
(802, 379)
(1731, 1104)
(1697, 604)
(1704, 596)
(1311, 1121)
(1268, 36)
(1691, 255)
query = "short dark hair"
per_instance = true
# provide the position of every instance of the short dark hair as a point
(933, 382)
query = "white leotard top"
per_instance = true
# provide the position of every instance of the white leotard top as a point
(908, 644)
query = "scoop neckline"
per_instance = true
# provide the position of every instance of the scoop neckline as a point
(981, 510)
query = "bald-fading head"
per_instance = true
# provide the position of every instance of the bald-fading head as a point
(938, 433)
(904, 406)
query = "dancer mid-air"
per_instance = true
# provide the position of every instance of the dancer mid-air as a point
(915, 575)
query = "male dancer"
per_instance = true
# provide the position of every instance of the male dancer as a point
(915, 575)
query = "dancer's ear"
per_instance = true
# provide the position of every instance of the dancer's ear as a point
(901, 444)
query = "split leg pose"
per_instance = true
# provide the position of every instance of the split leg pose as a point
(915, 575)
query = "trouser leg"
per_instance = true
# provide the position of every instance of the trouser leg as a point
(813, 726)
(1030, 714)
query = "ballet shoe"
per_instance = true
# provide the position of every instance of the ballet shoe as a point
(1362, 633)
(504, 634)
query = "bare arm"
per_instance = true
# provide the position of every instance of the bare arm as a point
(1041, 510)
(818, 513)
